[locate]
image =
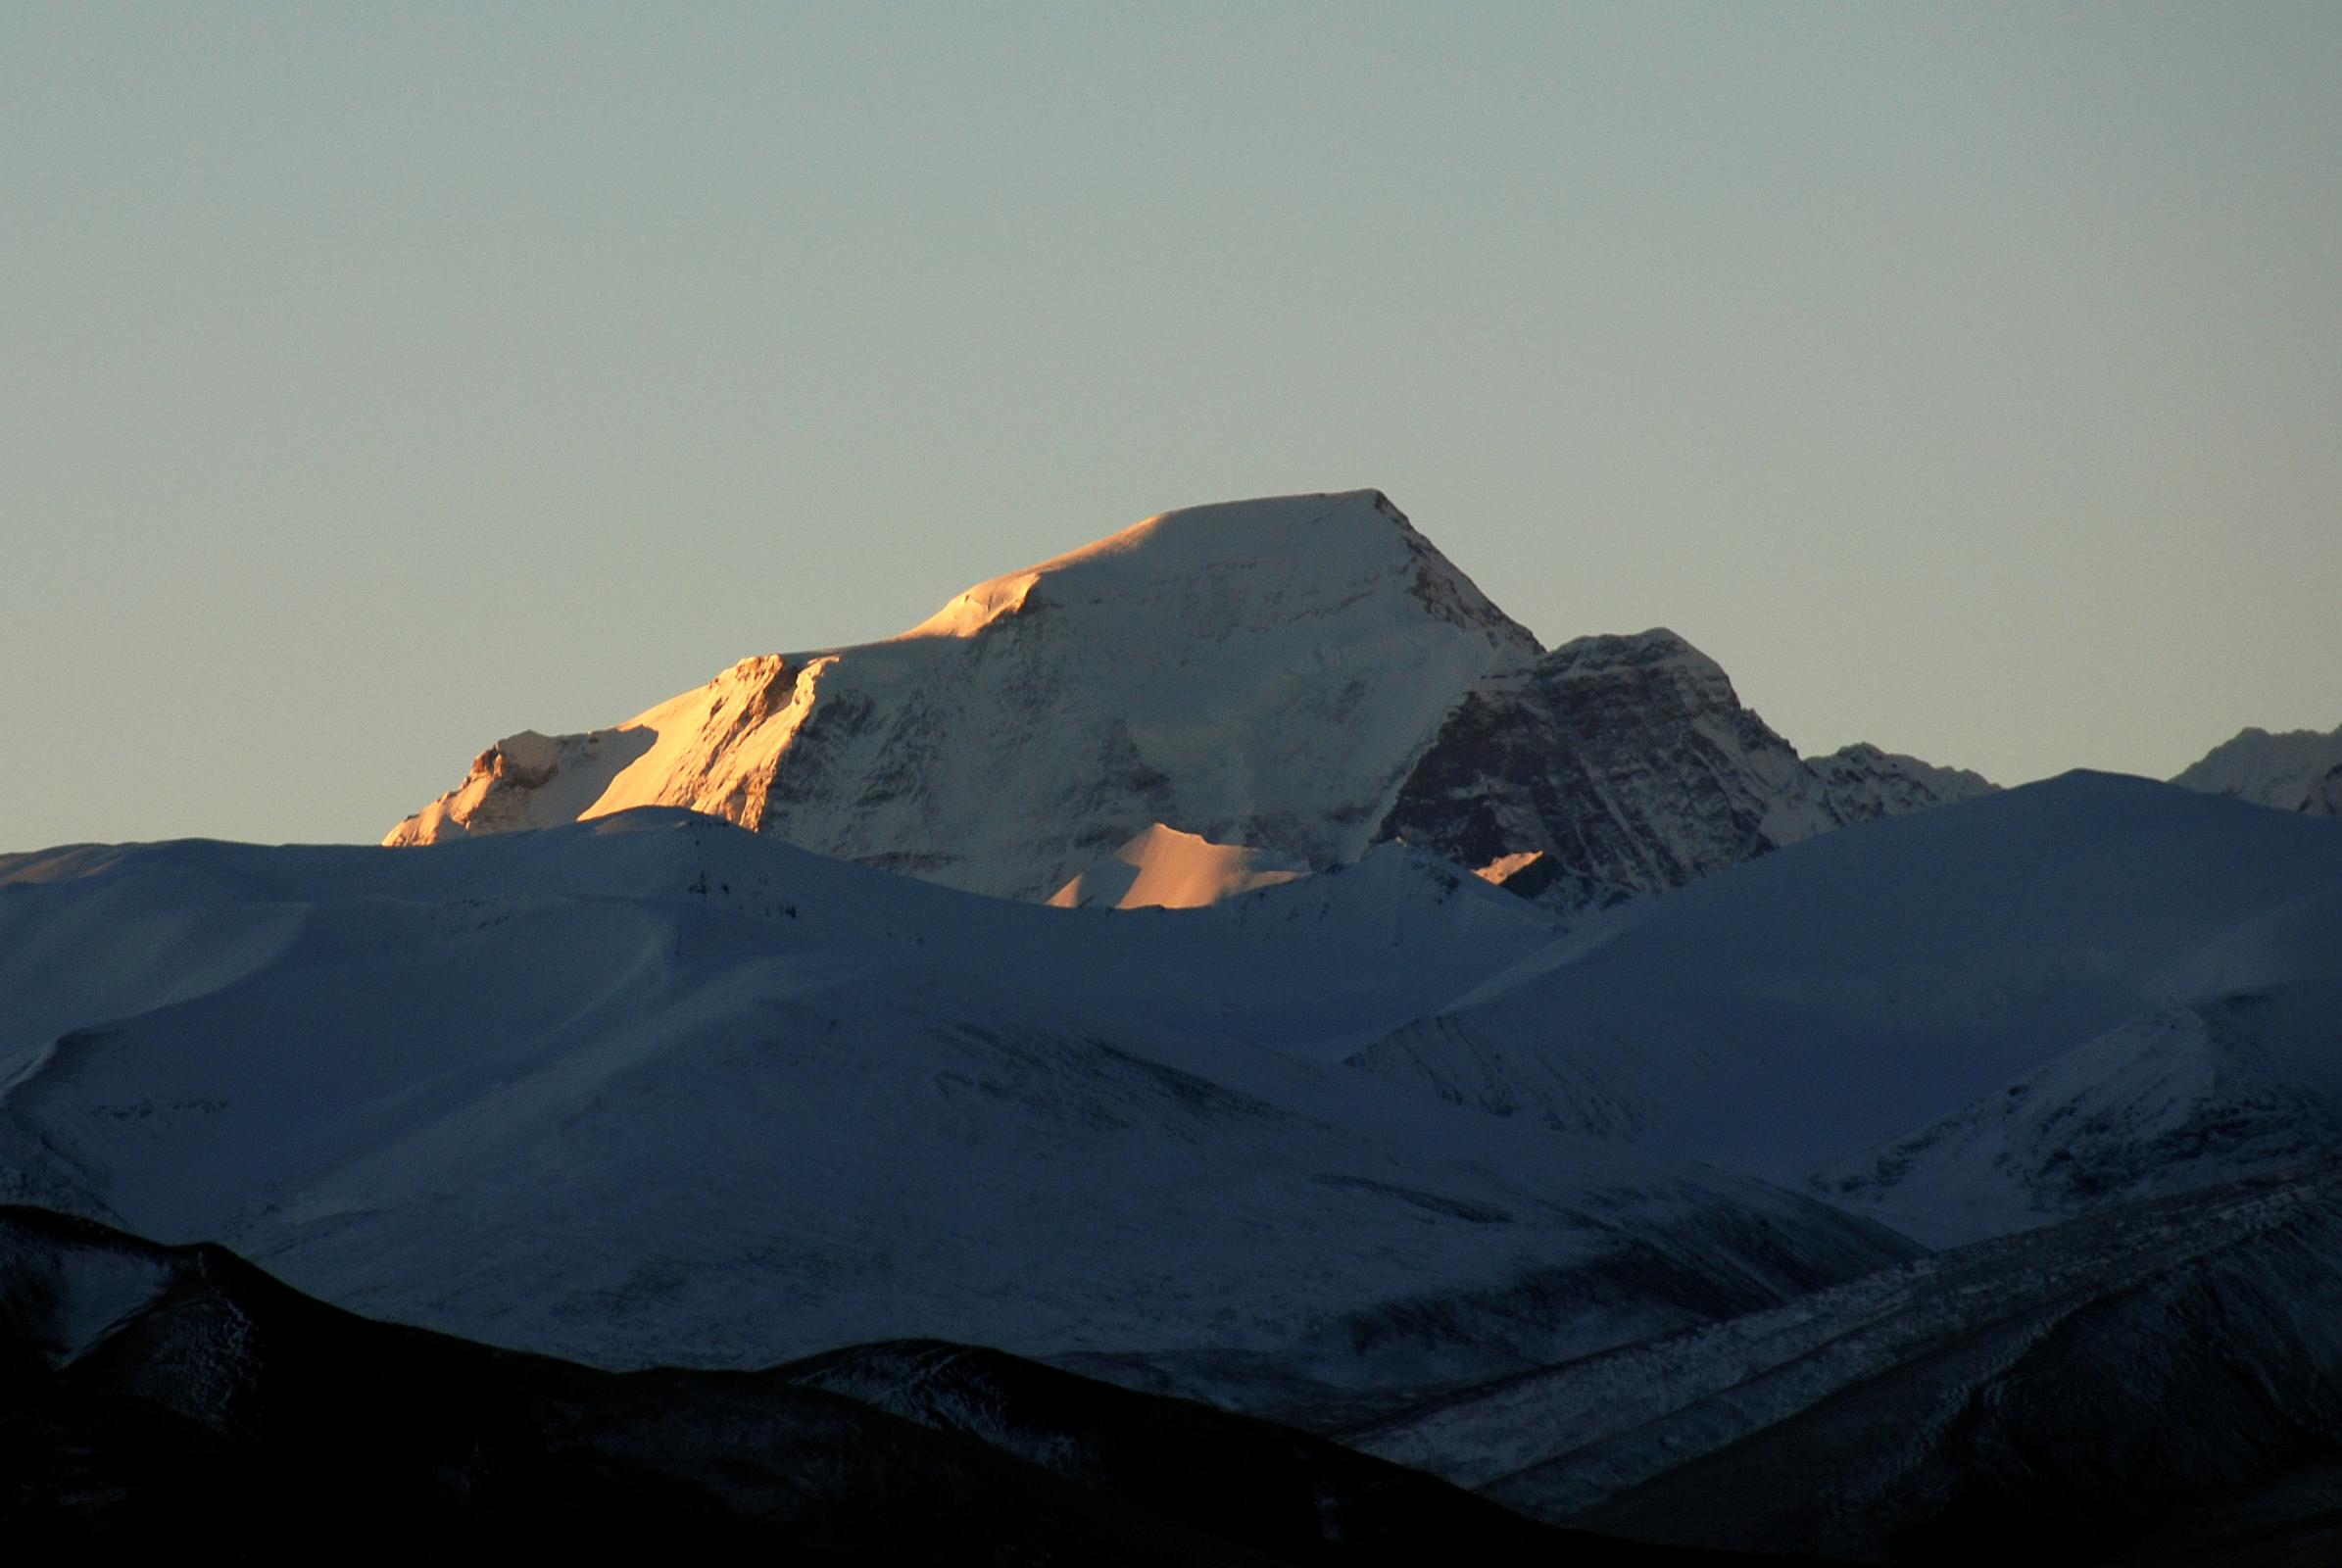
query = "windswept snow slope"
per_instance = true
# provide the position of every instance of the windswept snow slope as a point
(1851, 991)
(654, 1089)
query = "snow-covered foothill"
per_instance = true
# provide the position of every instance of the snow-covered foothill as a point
(654, 1089)
(1823, 1004)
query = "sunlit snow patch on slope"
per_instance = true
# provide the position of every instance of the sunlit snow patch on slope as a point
(1166, 869)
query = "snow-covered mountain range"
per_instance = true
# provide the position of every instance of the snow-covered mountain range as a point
(654, 1089)
(1233, 963)
(1300, 677)
(1586, 1214)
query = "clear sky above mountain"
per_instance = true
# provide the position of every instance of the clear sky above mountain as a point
(376, 382)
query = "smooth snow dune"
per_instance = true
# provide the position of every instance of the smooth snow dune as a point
(1850, 990)
(654, 1089)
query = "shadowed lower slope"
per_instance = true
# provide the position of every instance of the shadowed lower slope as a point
(155, 1392)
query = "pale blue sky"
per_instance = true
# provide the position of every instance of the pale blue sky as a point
(377, 382)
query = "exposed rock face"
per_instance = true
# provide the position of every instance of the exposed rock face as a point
(1631, 761)
(1305, 676)
(2297, 770)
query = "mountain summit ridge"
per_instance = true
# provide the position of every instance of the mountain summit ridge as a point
(1301, 676)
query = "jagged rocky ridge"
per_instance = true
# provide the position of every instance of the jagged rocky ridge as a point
(1301, 677)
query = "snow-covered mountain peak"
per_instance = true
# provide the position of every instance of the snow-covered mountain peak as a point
(1283, 555)
(1259, 673)
(978, 607)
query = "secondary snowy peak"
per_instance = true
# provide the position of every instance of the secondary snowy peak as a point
(2295, 770)
(1860, 783)
(1163, 868)
(1630, 761)
(1260, 673)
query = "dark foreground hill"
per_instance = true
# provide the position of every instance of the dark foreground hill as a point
(162, 1397)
